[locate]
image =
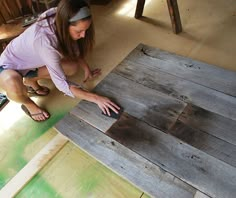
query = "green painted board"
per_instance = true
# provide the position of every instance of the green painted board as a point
(73, 173)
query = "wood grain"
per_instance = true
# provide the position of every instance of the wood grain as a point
(209, 122)
(90, 113)
(206, 173)
(155, 108)
(205, 142)
(177, 87)
(198, 72)
(176, 119)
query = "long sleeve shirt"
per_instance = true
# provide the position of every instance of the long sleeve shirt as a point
(37, 46)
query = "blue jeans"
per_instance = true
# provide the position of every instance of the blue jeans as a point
(1, 69)
(30, 74)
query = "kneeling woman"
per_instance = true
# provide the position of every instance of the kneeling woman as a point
(54, 47)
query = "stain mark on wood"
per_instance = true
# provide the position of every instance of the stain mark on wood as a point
(122, 131)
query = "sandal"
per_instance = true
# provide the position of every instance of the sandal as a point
(32, 91)
(24, 108)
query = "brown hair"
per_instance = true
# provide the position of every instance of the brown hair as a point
(67, 9)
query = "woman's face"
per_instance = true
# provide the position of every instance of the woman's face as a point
(78, 30)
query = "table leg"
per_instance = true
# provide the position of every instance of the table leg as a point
(174, 16)
(139, 9)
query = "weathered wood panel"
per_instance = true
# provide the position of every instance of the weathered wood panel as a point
(203, 141)
(155, 108)
(211, 123)
(149, 177)
(206, 173)
(154, 87)
(195, 71)
(90, 113)
(150, 76)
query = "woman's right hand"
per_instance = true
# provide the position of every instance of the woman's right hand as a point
(105, 104)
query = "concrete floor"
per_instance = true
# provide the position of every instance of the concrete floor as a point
(209, 29)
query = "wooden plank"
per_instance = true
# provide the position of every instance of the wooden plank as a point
(139, 8)
(211, 123)
(33, 167)
(195, 71)
(152, 179)
(190, 92)
(155, 108)
(174, 16)
(211, 145)
(206, 173)
(98, 120)
(214, 146)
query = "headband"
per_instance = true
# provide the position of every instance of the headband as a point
(81, 14)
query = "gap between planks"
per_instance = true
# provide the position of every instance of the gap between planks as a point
(34, 166)
(199, 194)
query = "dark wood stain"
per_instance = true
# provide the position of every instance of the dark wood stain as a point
(127, 132)
(205, 142)
(209, 122)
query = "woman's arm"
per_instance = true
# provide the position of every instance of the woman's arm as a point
(105, 104)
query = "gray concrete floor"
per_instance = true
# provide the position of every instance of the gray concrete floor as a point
(209, 29)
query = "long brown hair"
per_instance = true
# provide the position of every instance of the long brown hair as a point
(67, 9)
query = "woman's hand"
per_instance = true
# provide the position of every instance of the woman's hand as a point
(89, 74)
(105, 104)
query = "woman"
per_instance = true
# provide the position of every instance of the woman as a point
(52, 48)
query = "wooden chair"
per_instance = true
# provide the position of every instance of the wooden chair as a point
(10, 10)
(173, 11)
(9, 32)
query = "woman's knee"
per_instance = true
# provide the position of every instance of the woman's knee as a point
(11, 80)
